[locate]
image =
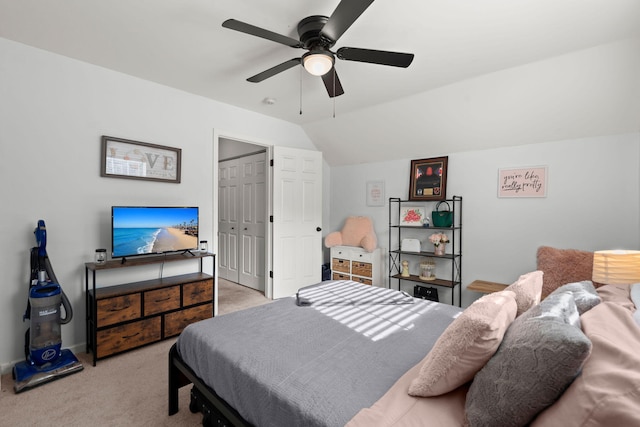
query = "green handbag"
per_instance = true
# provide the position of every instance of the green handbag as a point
(442, 218)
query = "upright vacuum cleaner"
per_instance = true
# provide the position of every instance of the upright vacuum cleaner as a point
(45, 358)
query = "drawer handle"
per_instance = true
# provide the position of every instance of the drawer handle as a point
(163, 299)
(119, 309)
(130, 336)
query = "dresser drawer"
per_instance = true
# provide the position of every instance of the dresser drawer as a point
(125, 337)
(193, 293)
(360, 255)
(118, 309)
(340, 252)
(361, 268)
(338, 276)
(339, 264)
(175, 322)
(362, 280)
(160, 300)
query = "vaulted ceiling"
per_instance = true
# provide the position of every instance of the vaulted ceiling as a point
(486, 73)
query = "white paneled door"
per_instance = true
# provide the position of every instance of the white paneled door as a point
(242, 207)
(253, 221)
(228, 220)
(297, 219)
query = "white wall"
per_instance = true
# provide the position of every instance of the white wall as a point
(53, 111)
(592, 202)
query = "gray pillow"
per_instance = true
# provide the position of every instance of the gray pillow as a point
(541, 353)
(584, 293)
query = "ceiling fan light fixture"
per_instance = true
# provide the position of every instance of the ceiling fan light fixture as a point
(317, 63)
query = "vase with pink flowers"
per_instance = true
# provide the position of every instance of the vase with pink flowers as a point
(439, 241)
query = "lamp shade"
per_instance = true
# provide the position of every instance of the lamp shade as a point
(317, 63)
(616, 267)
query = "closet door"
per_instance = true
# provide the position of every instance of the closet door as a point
(228, 220)
(252, 224)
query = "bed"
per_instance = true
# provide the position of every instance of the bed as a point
(342, 353)
(330, 358)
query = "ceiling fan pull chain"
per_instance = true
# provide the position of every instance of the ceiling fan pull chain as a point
(300, 90)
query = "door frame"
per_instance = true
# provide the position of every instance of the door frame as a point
(217, 135)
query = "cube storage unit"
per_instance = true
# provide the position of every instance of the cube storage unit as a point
(354, 263)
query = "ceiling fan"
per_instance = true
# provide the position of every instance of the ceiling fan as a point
(317, 35)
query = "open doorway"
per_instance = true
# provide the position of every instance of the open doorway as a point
(242, 213)
(289, 210)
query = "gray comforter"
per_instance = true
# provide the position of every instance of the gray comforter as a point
(342, 292)
(284, 365)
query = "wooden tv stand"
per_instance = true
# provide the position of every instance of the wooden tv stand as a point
(130, 315)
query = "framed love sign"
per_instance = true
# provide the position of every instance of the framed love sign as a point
(123, 158)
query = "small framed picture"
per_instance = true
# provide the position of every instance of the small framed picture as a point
(412, 216)
(375, 193)
(428, 179)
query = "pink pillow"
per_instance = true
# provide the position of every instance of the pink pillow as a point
(528, 289)
(466, 345)
(562, 266)
(607, 391)
(619, 294)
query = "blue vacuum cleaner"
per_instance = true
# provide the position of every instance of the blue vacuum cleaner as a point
(45, 359)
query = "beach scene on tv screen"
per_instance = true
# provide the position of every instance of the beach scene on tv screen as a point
(139, 231)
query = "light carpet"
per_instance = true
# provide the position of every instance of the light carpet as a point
(129, 389)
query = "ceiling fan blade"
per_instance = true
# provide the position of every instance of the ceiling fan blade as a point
(343, 16)
(332, 83)
(260, 32)
(274, 70)
(395, 59)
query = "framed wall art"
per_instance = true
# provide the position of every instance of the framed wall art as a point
(522, 182)
(412, 216)
(428, 179)
(375, 193)
(122, 158)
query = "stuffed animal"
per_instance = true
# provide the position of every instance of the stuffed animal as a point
(357, 231)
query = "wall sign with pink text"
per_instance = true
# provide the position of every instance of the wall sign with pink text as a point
(523, 182)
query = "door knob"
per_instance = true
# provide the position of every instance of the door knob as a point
(318, 229)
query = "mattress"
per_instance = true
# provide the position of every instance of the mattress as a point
(283, 364)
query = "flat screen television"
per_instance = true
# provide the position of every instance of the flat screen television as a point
(145, 230)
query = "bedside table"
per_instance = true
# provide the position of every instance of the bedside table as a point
(486, 287)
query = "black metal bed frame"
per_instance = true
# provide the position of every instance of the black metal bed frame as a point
(215, 411)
